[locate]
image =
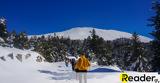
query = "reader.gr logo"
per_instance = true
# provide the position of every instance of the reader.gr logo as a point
(140, 78)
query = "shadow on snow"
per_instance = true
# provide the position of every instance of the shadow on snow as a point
(105, 70)
(69, 75)
(59, 76)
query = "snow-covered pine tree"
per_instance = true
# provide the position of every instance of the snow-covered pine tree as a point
(136, 50)
(122, 52)
(3, 29)
(105, 51)
(11, 37)
(101, 49)
(143, 61)
(33, 41)
(21, 41)
(94, 40)
(155, 23)
(138, 58)
(46, 51)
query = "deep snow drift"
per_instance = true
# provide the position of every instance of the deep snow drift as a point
(80, 33)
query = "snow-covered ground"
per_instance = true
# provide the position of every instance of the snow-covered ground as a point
(28, 70)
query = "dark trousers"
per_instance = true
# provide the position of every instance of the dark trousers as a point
(80, 70)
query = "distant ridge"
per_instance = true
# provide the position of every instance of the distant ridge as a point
(80, 33)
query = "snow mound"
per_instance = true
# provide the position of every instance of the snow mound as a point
(80, 33)
(17, 55)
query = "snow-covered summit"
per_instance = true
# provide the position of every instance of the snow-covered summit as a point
(80, 33)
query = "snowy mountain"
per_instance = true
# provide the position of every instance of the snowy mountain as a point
(79, 33)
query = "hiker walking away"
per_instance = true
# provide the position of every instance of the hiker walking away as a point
(81, 67)
(73, 62)
(66, 61)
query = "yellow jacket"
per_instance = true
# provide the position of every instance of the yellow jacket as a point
(82, 63)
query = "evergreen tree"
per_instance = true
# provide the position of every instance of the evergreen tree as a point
(135, 47)
(33, 41)
(94, 40)
(155, 23)
(101, 49)
(46, 51)
(122, 52)
(137, 58)
(3, 29)
(21, 41)
(11, 38)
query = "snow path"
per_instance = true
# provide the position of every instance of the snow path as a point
(49, 73)
(61, 74)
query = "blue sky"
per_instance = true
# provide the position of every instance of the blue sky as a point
(44, 16)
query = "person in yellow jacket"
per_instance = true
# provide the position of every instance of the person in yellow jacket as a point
(82, 65)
